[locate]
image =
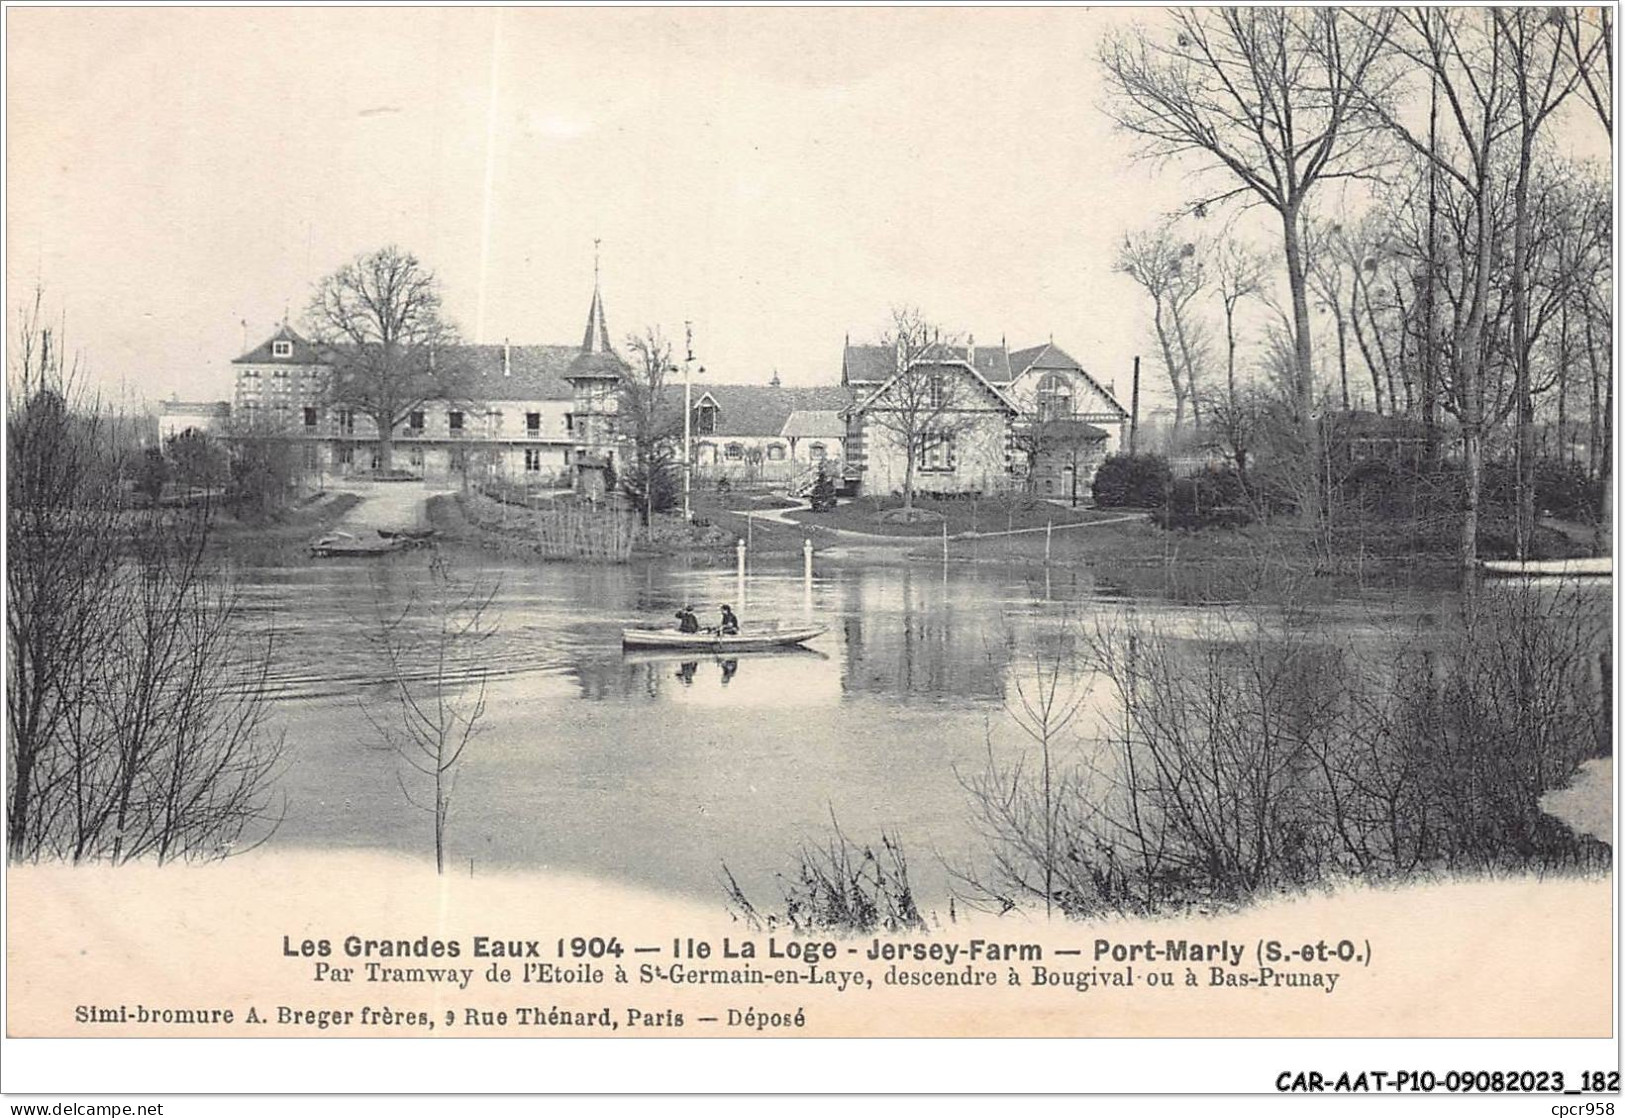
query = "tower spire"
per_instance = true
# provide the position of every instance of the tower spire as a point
(596, 339)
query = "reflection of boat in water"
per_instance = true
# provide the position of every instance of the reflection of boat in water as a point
(343, 545)
(1550, 568)
(678, 655)
(718, 644)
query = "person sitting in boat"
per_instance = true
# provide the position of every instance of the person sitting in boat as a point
(686, 621)
(730, 623)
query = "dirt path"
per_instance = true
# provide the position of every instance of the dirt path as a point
(394, 505)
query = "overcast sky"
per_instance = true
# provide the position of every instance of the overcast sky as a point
(779, 177)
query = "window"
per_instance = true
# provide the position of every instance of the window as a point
(1054, 397)
(705, 419)
(815, 452)
(346, 455)
(533, 424)
(280, 374)
(938, 452)
(310, 417)
(414, 421)
(454, 422)
(282, 349)
(569, 422)
(936, 391)
(347, 422)
(414, 456)
(313, 457)
(775, 453)
(735, 450)
(533, 459)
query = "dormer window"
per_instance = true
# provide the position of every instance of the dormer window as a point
(705, 419)
(281, 348)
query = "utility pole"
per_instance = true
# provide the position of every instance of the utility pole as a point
(688, 414)
(1134, 410)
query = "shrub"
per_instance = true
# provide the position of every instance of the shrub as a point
(1211, 499)
(822, 496)
(1132, 481)
(1564, 490)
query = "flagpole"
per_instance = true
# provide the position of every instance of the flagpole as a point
(688, 412)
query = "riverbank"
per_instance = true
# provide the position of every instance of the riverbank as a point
(297, 525)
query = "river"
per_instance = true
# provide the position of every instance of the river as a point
(655, 769)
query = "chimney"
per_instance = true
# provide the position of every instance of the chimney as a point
(507, 367)
(970, 350)
(899, 351)
(775, 381)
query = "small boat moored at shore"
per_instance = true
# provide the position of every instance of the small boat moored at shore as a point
(342, 545)
(747, 640)
(1549, 568)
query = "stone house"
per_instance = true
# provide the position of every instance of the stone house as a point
(1032, 418)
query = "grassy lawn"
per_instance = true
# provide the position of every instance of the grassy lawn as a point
(882, 516)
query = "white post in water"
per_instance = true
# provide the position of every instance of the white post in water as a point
(945, 540)
(1049, 531)
(806, 577)
(739, 574)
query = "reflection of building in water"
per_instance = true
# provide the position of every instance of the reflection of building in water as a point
(904, 636)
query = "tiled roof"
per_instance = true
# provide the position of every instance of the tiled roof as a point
(302, 351)
(1052, 356)
(875, 364)
(535, 372)
(1022, 359)
(814, 423)
(991, 361)
(868, 364)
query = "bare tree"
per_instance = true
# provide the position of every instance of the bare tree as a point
(1169, 269)
(929, 403)
(1590, 34)
(135, 697)
(1328, 281)
(1270, 97)
(1238, 273)
(653, 419)
(1543, 77)
(1466, 61)
(379, 318)
(430, 647)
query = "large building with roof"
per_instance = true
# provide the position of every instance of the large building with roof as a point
(767, 432)
(543, 413)
(994, 418)
(982, 418)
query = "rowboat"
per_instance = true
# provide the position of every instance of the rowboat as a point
(342, 545)
(749, 640)
(1550, 568)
